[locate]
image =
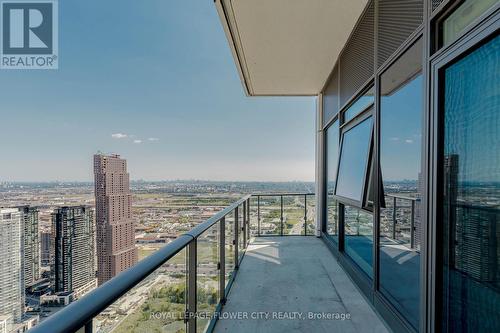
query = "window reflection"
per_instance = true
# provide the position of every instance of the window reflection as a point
(359, 238)
(353, 160)
(361, 104)
(470, 236)
(400, 159)
(464, 15)
(332, 147)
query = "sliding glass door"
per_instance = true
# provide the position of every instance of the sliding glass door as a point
(469, 216)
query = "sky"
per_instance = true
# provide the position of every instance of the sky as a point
(155, 82)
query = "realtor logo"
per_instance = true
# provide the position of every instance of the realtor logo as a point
(29, 34)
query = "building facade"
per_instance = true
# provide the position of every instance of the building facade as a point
(116, 249)
(11, 266)
(31, 241)
(45, 248)
(407, 143)
(73, 267)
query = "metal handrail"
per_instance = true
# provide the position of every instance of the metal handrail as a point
(77, 314)
(280, 194)
(80, 313)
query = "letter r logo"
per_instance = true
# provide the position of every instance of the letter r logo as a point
(27, 27)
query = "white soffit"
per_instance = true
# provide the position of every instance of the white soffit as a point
(287, 47)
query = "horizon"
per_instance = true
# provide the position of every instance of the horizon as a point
(158, 86)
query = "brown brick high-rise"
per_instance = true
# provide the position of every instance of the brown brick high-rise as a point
(114, 224)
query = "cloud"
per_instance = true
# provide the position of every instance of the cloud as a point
(409, 141)
(118, 136)
(394, 138)
(137, 141)
(153, 139)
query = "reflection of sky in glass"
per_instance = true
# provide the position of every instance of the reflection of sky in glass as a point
(355, 148)
(401, 111)
(472, 116)
(361, 104)
(401, 132)
(332, 146)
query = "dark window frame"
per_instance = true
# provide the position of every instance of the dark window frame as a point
(367, 113)
(324, 226)
(463, 46)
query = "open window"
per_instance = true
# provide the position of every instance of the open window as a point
(354, 160)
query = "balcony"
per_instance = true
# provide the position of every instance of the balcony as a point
(236, 272)
(293, 281)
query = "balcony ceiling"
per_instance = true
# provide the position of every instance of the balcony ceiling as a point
(287, 47)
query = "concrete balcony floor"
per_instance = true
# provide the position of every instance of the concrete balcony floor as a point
(294, 275)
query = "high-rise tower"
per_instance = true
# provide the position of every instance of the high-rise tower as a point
(11, 265)
(31, 244)
(115, 228)
(73, 240)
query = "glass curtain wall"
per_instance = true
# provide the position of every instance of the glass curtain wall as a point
(470, 215)
(351, 190)
(401, 111)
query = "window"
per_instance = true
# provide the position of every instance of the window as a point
(361, 104)
(401, 110)
(353, 160)
(462, 17)
(470, 215)
(332, 151)
(359, 238)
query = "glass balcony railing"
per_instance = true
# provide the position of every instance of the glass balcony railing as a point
(400, 219)
(284, 214)
(183, 286)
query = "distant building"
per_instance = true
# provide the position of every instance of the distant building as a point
(11, 267)
(73, 267)
(45, 248)
(31, 241)
(116, 249)
(57, 299)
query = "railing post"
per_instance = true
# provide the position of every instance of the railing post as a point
(222, 260)
(258, 215)
(248, 222)
(244, 225)
(191, 287)
(89, 327)
(394, 219)
(281, 224)
(235, 242)
(412, 225)
(305, 214)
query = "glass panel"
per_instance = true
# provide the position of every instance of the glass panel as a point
(401, 110)
(207, 276)
(229, 253)
(270, 215)
(241, 238)
(332, 151)
(353, 160)
(311, 215)
(359, 238)
(359, 105)
(464, 15)
(157, 304)
(293, 214)
(470, 237)
(253, 217)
